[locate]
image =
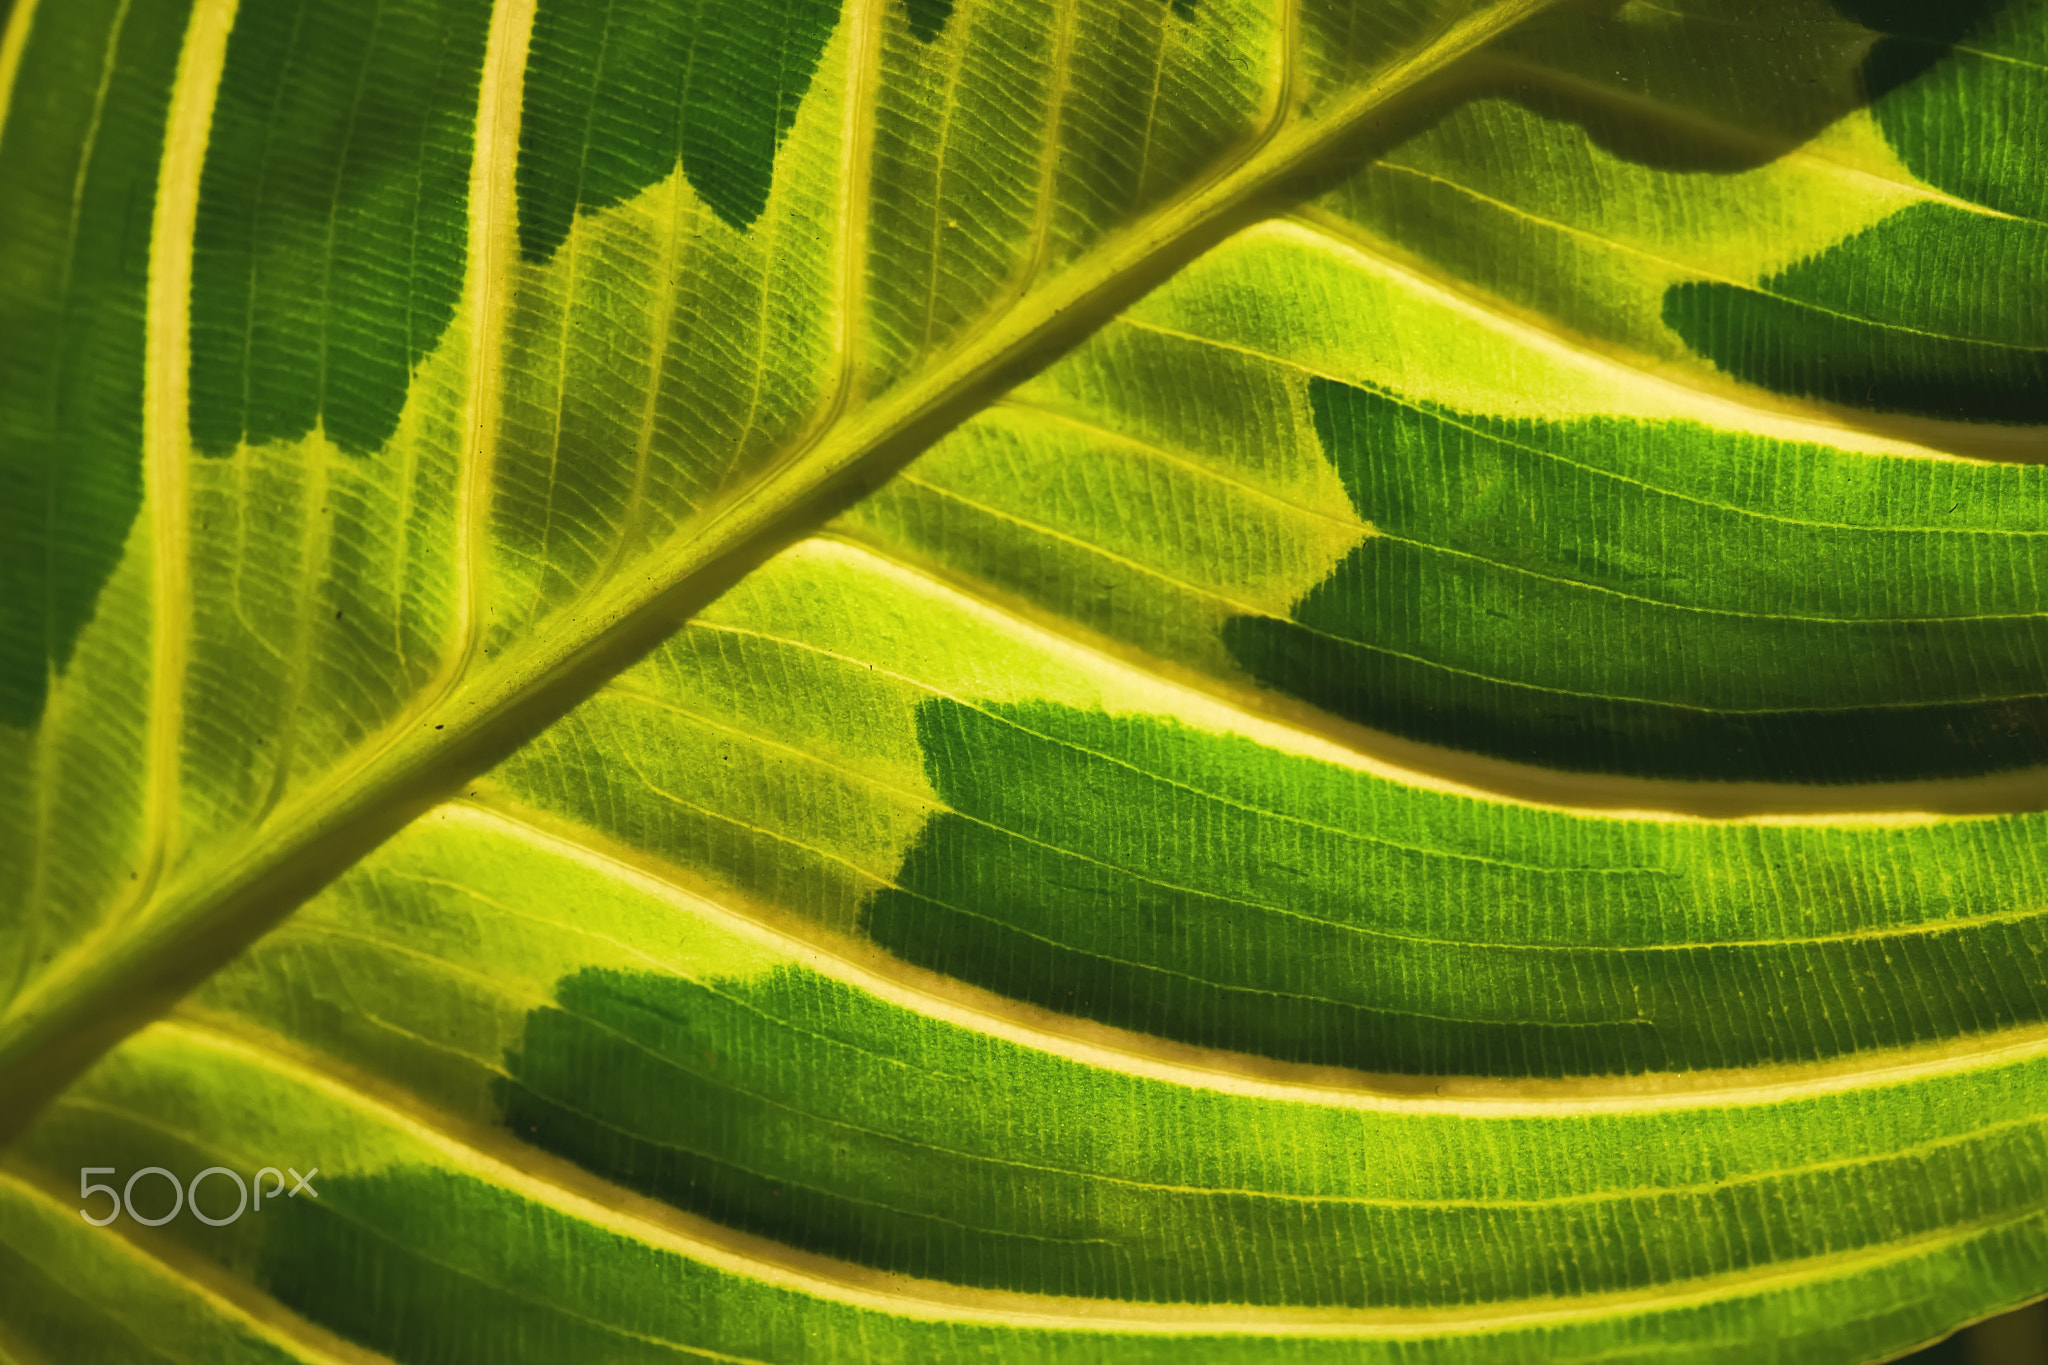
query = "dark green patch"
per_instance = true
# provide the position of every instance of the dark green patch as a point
(927, 18)
(618, 93)
(686, 1092)
(72, 306)
(1184, 9)
(333, 227)
(1969, 120)
(1916, 36)
(429, 1268)
(1934, 311)
(1419, 700)
(1664, 598)
(1927, 312)
(1207, 890)
(425, 1267)
(798, 1108)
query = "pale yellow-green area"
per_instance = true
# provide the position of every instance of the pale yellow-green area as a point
(1642, 228)
(1446, 348)
(868, 612)
(620, 414)
(74, 842)
(458, 929)
(285, 540)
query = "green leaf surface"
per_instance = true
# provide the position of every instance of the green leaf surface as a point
(1069, 680)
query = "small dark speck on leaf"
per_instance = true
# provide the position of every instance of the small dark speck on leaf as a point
(437, 727)
(337, 614)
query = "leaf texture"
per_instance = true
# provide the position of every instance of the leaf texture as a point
(1077, 680)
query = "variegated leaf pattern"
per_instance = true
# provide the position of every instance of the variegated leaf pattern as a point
(1070, 680)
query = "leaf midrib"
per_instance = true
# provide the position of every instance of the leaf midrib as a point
(205, 914)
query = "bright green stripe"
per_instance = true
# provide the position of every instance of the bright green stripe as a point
(332, 224)
(1497, 539)
(421, 1249)
(78, 172)
(1080, 874)
(772, 1096)
(1207, 888)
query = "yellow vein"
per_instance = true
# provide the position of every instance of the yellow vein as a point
(250, 1049)
(909, 478)
(1494, 779)
(492, 250)
(1283, 817)
(1316, 213)
(1165, 20)
(856, 193)
(14, 1351)
(661, 312)
(13, 39)
(558, 378)
(863, 21)
(1048, 172)
(188, 127)
(1615, 1194)
(316, 541)
(1341, 239)
(2039, 68)
(953, 48)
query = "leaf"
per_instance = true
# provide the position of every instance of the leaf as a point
(1435, 757)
